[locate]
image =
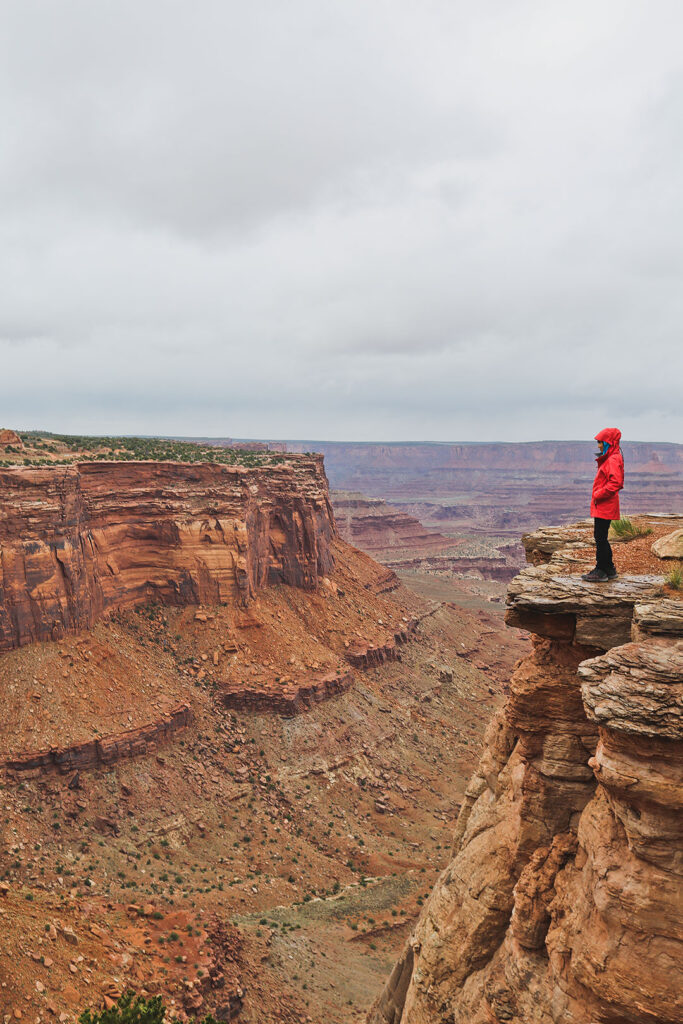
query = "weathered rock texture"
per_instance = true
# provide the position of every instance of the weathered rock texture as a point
(104, 751)
(289, 699)
(562, 902)
(368, 655)
(8, 438)
(297, 696)
(77, 541)
(670, 546)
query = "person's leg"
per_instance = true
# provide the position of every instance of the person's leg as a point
(603, 549)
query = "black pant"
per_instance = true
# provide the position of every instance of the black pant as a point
(603, 551)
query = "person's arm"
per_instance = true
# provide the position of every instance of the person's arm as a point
(614, 483)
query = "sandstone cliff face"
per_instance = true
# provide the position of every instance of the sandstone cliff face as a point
(378, 528)
(77, 541)
(561, 904)
(9, 438)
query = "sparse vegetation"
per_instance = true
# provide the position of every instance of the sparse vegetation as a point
(132, 1009)
(625, 529)
(44, 449)
(674, 578)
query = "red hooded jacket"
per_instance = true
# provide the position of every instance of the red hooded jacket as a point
(609, 478)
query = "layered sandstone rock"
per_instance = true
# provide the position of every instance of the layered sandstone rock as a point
(9, 438)
(288, 699)
(79, 540)
(562, 902)
(106, 750)
(375, 527)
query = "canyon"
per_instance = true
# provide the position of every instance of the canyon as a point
(404, 544)
(561, 903)
(498, 489)
(234, 747)
(228, 757)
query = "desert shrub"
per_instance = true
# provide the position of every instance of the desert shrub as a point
(674, 578)
(626, 529)
(132, 1009)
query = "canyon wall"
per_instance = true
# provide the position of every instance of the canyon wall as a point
(378, 528)
(402, 542)
(561, 904)
(77, 541)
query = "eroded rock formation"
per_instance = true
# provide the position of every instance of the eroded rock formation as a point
(106, 750)
(79, 540)
(9, 438)
(561, 904)
(288, 699)
(377, 528)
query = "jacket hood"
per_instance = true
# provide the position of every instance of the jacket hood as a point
(611, 435)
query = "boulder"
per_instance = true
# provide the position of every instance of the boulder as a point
(669, 546)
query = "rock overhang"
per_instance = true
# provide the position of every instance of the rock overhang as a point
(560, 605)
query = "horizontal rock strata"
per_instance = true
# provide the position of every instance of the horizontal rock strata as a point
(294, 698)
(291, 698)
(567, 607)
(367, 655)
(561, 904)
(79, 540)
(104, 751)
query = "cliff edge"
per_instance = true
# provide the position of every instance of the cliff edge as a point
(79, 540)
(561, 904)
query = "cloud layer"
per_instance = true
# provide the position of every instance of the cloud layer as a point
(352, 220)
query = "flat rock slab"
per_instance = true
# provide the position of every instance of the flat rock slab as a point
(538, 588)
(566, 607)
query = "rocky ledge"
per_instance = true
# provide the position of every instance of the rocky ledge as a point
(561, 904)
(106, 750)
(297, 696)
(290, 699)
(77, 541)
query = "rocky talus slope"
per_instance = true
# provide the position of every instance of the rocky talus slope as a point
(79, 540)
(562, 902)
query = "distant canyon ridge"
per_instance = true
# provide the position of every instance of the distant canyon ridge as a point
(504, 488)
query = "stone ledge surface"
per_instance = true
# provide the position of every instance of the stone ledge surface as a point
(567, 607)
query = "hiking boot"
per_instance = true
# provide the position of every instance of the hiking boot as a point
(595, 576)
(612, 573)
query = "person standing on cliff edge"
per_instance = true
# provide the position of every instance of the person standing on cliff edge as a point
(609, 480)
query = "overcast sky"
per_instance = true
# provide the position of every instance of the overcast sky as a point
(342, 219)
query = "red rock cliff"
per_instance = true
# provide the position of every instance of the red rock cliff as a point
(562, 904)
(77, 541)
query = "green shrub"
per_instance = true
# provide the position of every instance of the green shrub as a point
(132, 1009)
(674, 578)
(625, 529)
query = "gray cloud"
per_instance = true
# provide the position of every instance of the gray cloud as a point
(347, 220)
